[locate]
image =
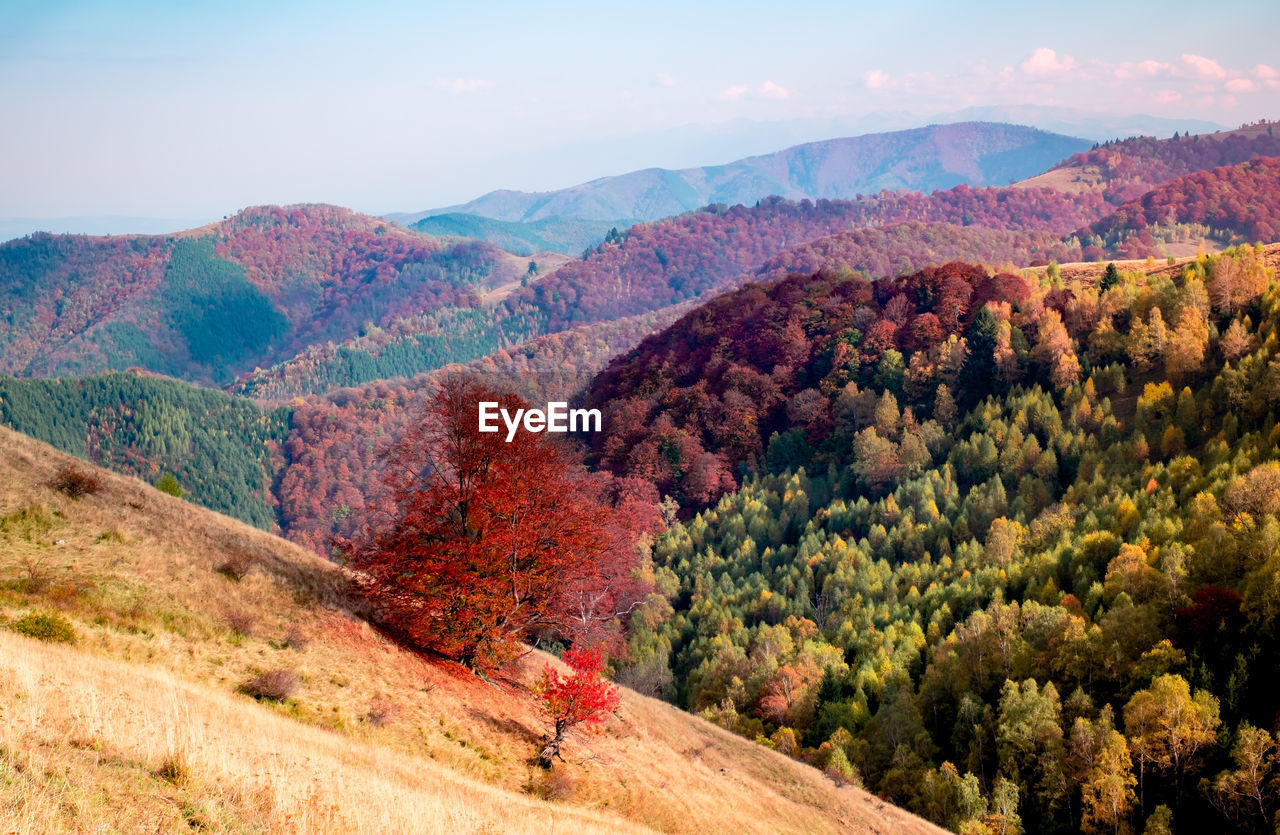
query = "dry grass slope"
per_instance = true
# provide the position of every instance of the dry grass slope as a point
(139, 725)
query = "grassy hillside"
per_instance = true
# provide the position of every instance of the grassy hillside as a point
(139, 722)
(566, 235)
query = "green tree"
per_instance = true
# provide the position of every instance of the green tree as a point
(978, 373)
(1110, 278)
(168, 483)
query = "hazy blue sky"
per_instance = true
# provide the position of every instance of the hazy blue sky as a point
(196, 109)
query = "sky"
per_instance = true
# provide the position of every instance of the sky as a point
(194, 110)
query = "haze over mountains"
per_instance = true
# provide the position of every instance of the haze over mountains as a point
(672, 148)
(922, 159)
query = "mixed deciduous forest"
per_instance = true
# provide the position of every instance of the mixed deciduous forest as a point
(219, 301)
(1237, 203)
(1021, 573)
(917, 500)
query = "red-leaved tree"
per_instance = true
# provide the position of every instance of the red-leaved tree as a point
(583, 698)
(488, 542)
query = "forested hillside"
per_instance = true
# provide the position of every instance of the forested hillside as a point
(657, 264)
(654, 266)
(220, 451)
(218, 301)
(1232, 204)
(1004, 546)
(906, 247)
(335, 299)
(165, 665)
(1124, 170)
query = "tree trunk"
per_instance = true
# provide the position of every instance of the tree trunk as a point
(552, 749)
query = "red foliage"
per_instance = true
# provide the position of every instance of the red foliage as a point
(1137, 165)
(904, 247)
(1214, 613)
(696, 404)
(583, 698)
(488, 542)
(1238, 201)
(669, 261)
(330, 271)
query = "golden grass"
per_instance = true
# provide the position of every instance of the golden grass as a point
(1089, 272)
(165, 639)
(91, 744)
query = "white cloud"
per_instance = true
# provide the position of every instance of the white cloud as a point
(1241, 85)
(732, 93)
(1168, 97)
(666, 79)
(459, 86)
(1263, 71)
(767, 90)
(875, 79)
(1045, 61)
(1201, 67)
(774, 91)
(1142, 69)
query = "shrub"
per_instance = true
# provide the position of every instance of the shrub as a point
(381, 711)
(52, 628)
(168, 483)
(841, 770)
(75, 482)
(295, 639)
(174, 770)
(272, 685)
(236, 567)
(35, 567)
(583, 698)
(241, 623)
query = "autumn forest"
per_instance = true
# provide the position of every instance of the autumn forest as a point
(968, 499)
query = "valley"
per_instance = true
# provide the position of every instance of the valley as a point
(921, 499)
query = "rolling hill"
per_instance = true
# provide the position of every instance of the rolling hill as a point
(1228, 205)
(1123, 170)
(566, 235)
(921, 159)
(214, 302)
(140, 720)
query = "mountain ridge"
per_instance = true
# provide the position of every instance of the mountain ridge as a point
(920, 159)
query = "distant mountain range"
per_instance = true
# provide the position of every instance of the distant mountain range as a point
(921, 159)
